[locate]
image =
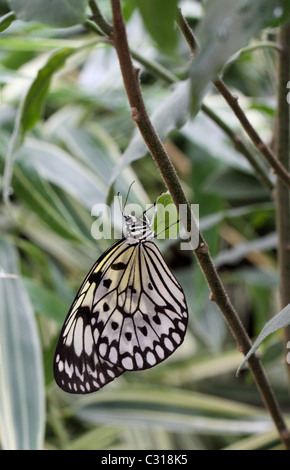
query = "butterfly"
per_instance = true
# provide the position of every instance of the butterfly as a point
(129, 314)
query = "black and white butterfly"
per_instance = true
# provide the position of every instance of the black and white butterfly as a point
(129, 314)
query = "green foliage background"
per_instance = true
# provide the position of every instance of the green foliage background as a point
(66, 137)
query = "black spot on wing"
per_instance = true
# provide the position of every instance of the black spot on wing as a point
(107, 283)
(143, 330)
(156, 319)
(118, 266)
(95, 277)
(85, 312)
(106, 307)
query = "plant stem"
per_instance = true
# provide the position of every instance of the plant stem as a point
(219, 294)
(99, 19)
(187, 32)
(282, 142)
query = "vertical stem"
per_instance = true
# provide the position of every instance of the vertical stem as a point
(282, 139)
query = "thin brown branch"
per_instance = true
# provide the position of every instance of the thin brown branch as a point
(219, 294)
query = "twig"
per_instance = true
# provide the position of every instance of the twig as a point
(138, 110)
(282, 142)
(99, 19)
(232, 100)
(187, 32)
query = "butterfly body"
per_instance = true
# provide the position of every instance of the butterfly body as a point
(129, 314)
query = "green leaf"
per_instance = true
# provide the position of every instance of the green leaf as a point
(39, 196)
(106, 437)
(170, 115)
(22, 394)
(172, 409)
(237, 253)
(46, 301)
(226, 27)
(235, 185)
(280, 320)
(159, 17)
(30, 110)
(34, 101)
(56, 13)
(6, 20)
(165, 223)
(58, 167)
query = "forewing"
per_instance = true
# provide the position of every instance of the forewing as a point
(78, 366)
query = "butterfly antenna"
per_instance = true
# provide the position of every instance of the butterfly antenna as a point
(166, 228)
(126, 200)
(119, 199)
(154, 204)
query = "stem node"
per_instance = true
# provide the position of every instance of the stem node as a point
(135, 115)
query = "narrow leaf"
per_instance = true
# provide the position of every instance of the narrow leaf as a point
(21, 376)
(158, 17)
(56, 13)
(165, 223)
(280, 320)
(35, 98)
(172, 114)
(46, 301)
(226, 27)
(30, 110)
(6, 20)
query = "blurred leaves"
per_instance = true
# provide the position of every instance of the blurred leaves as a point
(6, 20)
(171, 114)
(161, 23)
(174, 409)
(22, 398)
(34, 101)
(226, 27)
(279, 321)
(55, 13)
(31, 108)
(62, 90)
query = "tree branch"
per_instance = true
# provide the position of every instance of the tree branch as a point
(219, 294)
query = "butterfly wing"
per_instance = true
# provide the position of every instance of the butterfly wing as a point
(149, 318)
(78, 367)
(129, 314)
